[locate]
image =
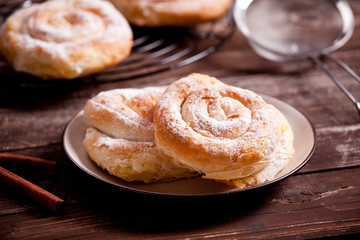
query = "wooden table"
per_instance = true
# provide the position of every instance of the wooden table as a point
(320, 200)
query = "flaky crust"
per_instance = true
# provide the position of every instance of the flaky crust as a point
(65, 39)
(171, 12)
(226, 133)
(120, 136)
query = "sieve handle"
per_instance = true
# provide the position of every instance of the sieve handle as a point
(321, 64)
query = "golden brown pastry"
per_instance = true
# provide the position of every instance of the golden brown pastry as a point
(120, 136)
(226, 133)
(65, 39)
(171, 12)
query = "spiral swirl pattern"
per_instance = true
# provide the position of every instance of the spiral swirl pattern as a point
(221, 131)
(65, 38)
(120, 136)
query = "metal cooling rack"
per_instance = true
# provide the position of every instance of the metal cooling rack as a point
(155, 49)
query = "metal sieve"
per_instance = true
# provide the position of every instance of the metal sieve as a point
(282, 30)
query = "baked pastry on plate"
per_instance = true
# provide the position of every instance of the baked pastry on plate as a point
(65, 39)
(120, 136)
(223, 132)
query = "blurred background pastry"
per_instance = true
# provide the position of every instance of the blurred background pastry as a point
(65, 39)
(171, 12)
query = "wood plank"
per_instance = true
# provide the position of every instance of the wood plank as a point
(304, 206)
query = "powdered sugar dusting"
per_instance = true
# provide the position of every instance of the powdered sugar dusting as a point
(78, 21)
(67, 25)
(212, 115)
(124, 113)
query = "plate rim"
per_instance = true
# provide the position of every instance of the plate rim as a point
(147, 192)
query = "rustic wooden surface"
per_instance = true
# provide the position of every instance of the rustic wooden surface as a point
(320, 200)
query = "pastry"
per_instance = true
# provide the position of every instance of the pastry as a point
(171, 12)
(223, 132)
(120, 136)
(65, 39)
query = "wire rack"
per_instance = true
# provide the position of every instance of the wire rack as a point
(154, 50)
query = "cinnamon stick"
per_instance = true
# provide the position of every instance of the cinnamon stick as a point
(40, 195)
(37, 164)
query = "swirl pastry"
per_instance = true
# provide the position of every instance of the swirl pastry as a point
(171, 12)
(120, 136)
(65, 39)
(225, 133)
